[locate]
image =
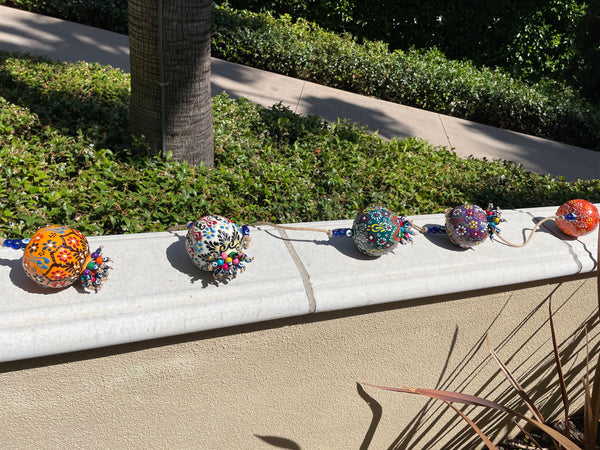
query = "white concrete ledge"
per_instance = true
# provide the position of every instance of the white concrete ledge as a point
(155, 290)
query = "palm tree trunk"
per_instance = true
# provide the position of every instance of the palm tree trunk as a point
(170, 77)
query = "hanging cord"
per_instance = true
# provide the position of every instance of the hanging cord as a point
(283, 227)
(257, 224)
(422, 230)
(497, 234)
(539, 224)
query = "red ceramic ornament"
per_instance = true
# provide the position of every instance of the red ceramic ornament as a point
(584, 214)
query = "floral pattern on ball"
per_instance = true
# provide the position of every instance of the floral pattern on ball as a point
(577, 217)
(216, 243)
(56, 256)
(467, 225)
(377, 231)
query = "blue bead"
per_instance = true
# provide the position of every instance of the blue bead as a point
(246, 230)
(8, 242)
(16, 244)
(349, 232)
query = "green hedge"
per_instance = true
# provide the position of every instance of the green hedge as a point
(66, 157)
(535, 39)
(423, 79)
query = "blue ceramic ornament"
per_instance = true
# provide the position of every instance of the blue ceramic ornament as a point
(377, 231)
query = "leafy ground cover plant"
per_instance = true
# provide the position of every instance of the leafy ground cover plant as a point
(66, 157)
(562, 439)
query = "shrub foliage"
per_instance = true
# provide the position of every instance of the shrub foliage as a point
(556, 39)
(66, 157)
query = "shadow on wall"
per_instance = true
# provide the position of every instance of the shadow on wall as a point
(279, 442)
(463, 371)
(540, 384)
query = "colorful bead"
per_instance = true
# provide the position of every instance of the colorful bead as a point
(377, 231)
(435, 230)
(346, 232)
(577, 217)
(92, 279)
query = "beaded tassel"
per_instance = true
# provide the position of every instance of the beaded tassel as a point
(493, 218)
(228, 265)
(95, 272)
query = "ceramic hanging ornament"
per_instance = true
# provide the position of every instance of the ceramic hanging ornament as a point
(377, 231)
(57, 256)
(577, 217)
(216, 244)
(469, 225)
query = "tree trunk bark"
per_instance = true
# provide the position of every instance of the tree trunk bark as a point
(170, 102)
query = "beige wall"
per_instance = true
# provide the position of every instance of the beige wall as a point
(292, 383)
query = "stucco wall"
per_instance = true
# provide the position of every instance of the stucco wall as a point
(292, 383)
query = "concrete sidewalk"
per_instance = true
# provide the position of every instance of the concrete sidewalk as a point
(25, 32)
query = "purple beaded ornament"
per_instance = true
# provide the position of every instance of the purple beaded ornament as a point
(467, 225)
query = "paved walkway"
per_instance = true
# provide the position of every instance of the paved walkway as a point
(67, 41)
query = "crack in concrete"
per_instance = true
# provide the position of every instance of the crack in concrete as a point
(308, 288)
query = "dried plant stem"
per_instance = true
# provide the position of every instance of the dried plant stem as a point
(561, 377)
(528, 434)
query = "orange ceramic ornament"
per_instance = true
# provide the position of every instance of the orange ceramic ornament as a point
(577, 217)
(57, 256)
